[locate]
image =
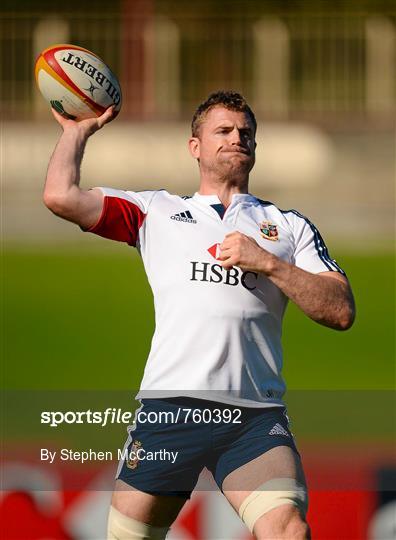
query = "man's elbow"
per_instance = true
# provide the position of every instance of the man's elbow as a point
(347, 318)
(57, 203)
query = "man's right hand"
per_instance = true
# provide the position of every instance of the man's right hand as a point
(88, 126)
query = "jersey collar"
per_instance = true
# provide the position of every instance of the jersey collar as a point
(209, 200)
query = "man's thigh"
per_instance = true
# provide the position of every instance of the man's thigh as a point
(155, 510)
(163, 456)
(160, 465)
(278, 462)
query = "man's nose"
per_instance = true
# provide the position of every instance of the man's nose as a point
(235, 136)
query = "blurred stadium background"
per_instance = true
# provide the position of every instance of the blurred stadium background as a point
(77, 310)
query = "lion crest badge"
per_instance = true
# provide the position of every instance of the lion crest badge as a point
(133, 460)
(269, 230)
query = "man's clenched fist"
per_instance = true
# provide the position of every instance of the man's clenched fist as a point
(240, 250)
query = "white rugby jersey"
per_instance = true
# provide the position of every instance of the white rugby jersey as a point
(217, 333)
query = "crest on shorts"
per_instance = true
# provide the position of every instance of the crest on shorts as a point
(133, 459)
(269, 230)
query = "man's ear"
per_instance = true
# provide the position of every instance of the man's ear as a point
(194, 147)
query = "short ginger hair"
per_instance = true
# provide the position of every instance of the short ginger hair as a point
(228, 99)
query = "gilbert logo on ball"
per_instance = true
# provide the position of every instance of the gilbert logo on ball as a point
(76, 82)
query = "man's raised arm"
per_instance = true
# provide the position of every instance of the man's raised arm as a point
(62, 194)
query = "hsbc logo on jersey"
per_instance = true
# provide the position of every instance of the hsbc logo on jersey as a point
(215, 273)
(215, 251)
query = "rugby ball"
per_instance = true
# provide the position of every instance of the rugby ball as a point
(76, 82)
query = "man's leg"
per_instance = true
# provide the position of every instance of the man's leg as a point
(149, 493)
(269, 494)
(136, 515)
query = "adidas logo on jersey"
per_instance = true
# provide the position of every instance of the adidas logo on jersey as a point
(184, 216)
(278, 430)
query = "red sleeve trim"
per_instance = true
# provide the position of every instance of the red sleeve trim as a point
(93, 228)
(120, 220)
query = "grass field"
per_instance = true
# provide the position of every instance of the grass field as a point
(74, 319)
(78, 321)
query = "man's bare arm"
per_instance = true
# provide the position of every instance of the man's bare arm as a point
(326, 297)
(62, 194)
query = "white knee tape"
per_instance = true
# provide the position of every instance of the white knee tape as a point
(271, 494)
(122, 527)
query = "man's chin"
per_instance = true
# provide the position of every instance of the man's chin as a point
(235, 168)
(238, 160)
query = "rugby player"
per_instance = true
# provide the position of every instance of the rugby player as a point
(222, 265)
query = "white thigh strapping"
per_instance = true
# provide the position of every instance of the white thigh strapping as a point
(272, 494)
(122, 527)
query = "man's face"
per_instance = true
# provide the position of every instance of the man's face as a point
(226, 144)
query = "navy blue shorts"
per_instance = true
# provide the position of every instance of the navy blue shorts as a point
(173, 439)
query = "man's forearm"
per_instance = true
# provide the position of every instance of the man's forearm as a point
(62, 194)
(326, 299)
(63, 172)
